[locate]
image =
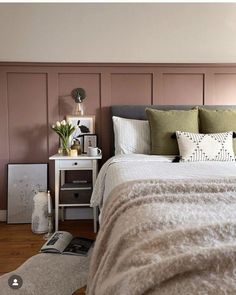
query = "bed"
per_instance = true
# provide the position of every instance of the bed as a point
(165, 227)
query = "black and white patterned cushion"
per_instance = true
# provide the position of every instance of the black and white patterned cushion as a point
(205, 147)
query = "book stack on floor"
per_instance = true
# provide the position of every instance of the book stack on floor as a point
(63, 242)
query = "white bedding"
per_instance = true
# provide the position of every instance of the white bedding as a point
(122, 168)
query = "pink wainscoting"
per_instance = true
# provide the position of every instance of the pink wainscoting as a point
(32, 96)
(182, 89)
(27, 105)
(225, 87)
(131, 88)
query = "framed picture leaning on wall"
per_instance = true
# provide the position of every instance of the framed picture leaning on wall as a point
(24, 182)
(85, 124)
(89, 140)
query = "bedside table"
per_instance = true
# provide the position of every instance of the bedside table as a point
(82, 191)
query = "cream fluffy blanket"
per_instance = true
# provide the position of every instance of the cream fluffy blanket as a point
(167, 237)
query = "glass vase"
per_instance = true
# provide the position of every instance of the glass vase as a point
(64, 149)
(79, 109)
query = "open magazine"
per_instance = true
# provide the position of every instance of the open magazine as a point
(63, 242)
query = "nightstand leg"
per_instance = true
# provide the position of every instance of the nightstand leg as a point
(62, 210)
(57, 183)
(62, 213)
(62, 177)
(95, 219)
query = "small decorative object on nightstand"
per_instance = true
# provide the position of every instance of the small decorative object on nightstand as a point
(76, 146)
(64, 130)
(89, 140)
(78, 193)
(94, 151)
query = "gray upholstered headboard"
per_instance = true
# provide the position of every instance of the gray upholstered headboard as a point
(138, 111)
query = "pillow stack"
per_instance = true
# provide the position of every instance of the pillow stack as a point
(216, 121)
(131, 136)
(201, 134)
(205, 147)
(164, 123)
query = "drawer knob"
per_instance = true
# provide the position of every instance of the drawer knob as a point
(75, 163)
(76, 195)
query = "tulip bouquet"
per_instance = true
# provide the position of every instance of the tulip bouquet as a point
(64, 130)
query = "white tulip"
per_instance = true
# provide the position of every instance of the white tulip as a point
(58, 124)
(53, 126)
(63, 122)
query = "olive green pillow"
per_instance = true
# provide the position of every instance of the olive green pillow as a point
(216, 121)
(164, 123)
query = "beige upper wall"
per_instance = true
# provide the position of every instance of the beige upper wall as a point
(118, 32)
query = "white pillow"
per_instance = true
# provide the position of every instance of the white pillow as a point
(205, 147)
(131, 136)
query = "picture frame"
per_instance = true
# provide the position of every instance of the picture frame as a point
(89, 140)
(24, 182)
(86, 125)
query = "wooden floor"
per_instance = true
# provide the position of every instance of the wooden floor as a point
(18, 243)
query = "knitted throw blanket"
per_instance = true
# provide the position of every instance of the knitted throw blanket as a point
(167, 237)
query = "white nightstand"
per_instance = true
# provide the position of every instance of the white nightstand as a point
(84, 190)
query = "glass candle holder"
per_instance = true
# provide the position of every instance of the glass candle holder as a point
(50, 227)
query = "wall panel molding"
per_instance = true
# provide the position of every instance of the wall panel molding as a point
(128, 88)
(4, 135)
(182, 88)
(3, 215)
(105, 84)
(27, 117)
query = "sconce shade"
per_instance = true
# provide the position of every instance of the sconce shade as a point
(78, 94)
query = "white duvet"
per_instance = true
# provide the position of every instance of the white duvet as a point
(122, 168)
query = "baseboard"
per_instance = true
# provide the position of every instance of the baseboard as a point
(3, 215)
(70, 213)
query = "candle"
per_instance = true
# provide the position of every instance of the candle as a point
(73, 153)
(49, 203)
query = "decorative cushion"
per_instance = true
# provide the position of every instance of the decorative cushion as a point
(164, 123)
(216, 121)
(131, 136)
(205, 147)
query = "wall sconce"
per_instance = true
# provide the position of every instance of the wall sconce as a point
(78, 95)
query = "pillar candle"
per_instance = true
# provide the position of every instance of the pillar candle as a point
(73, 153)
(49, 203)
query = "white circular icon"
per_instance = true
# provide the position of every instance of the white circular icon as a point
(15, 282)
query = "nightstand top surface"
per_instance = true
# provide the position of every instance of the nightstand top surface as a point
(80, 157)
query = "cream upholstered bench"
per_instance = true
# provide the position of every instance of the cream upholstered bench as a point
(49, 274)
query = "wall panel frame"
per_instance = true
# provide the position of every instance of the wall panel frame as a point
(105, 84)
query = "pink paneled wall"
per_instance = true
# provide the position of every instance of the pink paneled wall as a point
(32, 96)
(27, 115)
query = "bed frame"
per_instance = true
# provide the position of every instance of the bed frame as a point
(138, 111)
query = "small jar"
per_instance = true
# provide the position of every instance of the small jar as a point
(76, 146)
(73, 153)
